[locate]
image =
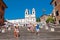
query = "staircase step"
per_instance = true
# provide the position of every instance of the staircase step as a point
(57, 29)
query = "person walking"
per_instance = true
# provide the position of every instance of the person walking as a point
(28, 27)
(16, 32)
(32, 28)
(37, 29)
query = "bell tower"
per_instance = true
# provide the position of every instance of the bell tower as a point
(33, 11)
(26, 12)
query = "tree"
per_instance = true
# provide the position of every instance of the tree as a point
(37, 19)
(50, 19)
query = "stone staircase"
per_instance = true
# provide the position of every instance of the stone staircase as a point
(52, 28)
(26, 35)
(57, 29)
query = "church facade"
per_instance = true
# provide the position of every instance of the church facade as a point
(29, 18)
(56, 10)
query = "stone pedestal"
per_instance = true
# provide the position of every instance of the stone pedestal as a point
(52, 29)
(46, 27)
(3, 31)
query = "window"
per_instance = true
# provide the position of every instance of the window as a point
(2, 8)
(57, 14)
(33, 12)
(55, 4)
(59, 21)
(26, 12)
(0, 17)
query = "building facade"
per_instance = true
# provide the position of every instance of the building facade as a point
(56, 10)
(2, 9)
(43, 18)
(29, 18)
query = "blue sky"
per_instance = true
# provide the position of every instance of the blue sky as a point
(16, 8)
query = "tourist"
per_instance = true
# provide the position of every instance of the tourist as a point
(28, 27)
(40, 25)
(16, 32)
(32, 28)
(37, 29)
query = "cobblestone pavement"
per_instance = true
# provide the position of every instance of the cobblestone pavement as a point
(25, 35)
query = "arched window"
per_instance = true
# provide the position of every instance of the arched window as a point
(55, 3)
(0, 17)
(2, 8)
(33, 12)
(57, 13)
(26, 12)
(59, 21)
